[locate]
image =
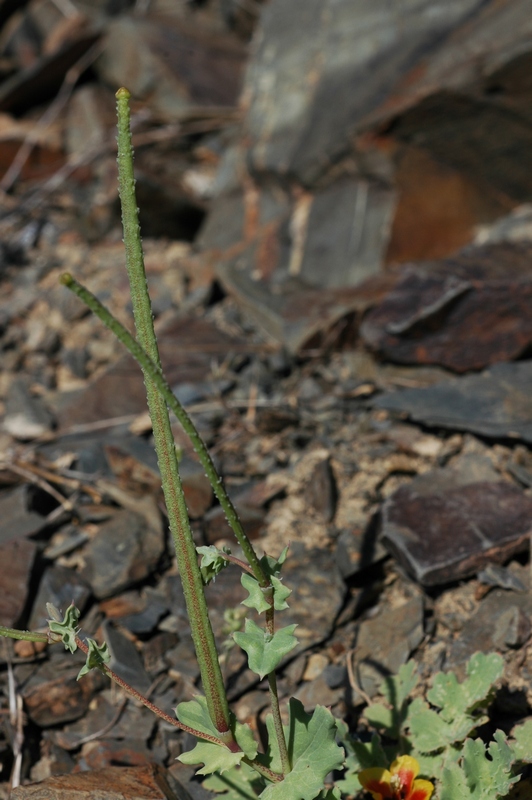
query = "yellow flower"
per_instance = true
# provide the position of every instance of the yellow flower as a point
(397, 783)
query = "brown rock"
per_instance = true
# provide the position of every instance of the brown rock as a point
(113, 783)
(442, 530)
(438, 208)
(58, 700)
(16, 561)
(463, 313)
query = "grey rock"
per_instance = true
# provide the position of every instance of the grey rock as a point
(501, 621)
(172, 65)
(356, 57)
(16, 563)
(318, 692)
(386, 641)
(503, 577)
(26, 415)
(322, 492)
(357, 549)
(123, 552)
(125, 659)
(145, 621)
(59, 586)
(494, 403)
(16, 519)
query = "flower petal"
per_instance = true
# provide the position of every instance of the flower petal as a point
(406, 768)
(377, 781)
(421, 790)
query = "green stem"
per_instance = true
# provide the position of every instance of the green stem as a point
(144, 320)
(278, 723)
(165, 392)
(201, 629)
(27, 636)
(274, 695)
(156, 375)
(260, 768)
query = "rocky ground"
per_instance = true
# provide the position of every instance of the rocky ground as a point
(339, 264)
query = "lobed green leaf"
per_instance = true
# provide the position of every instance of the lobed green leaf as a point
(521, 743)
(67, 628)
(97, 657)
(212, 562)
(237, 783)
(214, 758)
(313, 753)
(265, 651)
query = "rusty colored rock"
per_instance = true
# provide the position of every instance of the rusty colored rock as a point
(441, 531)
(463, 313)
(62, 699)
(438, 208)
(113, 783)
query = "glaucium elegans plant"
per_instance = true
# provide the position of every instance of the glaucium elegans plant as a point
(298, 757)
(300, 754)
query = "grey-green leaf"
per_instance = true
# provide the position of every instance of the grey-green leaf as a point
(265, 652)
(67, 629)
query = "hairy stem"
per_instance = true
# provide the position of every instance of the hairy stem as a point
(27, 636)
(200, 625)
(144, 700)
(155, 373)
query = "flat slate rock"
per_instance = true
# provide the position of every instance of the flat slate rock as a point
(463, 313)
(333, 65)
(17, 519)
(442, 529)
(495, 403)
(501, 622)
(112, 783)
(59, 586)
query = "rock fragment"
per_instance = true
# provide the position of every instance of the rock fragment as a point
(123, 552)
(441, 528)
(134, 783)
(494, 403)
